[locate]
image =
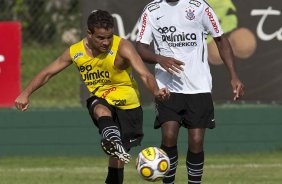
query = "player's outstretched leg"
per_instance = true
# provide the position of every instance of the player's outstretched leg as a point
(111, 139)
(115, 149)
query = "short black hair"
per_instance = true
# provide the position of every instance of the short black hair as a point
(100, 19)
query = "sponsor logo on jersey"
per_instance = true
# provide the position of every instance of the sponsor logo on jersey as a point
(195, 2)
(95, 75)
(213, 22)
(190, 13)
(98, 81)
(111, 52)
(105, 94)
(177, 40)
(79, 54)
(91, 77)
(144, 23)
(152, 7)
(132, 140)
(158, 18)
(121, 102)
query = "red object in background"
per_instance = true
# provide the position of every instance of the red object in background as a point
(10, 54)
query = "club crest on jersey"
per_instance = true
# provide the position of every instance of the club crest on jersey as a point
(190, 13)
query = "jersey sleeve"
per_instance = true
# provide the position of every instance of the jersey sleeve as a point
(144, 27)
(211, 22)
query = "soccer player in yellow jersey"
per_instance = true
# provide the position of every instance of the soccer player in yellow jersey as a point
(105, 61)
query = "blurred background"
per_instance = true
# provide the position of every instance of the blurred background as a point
(34, 32)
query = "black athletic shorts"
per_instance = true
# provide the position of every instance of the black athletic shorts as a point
(190, 110)
(130, 121)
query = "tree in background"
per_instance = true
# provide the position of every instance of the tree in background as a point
(44, 21)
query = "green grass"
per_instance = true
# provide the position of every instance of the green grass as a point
(62, 90)
(263, 168)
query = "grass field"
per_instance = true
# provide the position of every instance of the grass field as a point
(263, 168)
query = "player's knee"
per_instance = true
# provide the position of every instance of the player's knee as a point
(101, 110)
(169, 139)
(196, 138)
(196, 144)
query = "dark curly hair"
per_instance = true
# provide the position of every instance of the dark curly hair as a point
(100, 19)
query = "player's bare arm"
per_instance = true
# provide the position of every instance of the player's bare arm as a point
(227, 56)
(128, 52)
(168, 63)
(22, 101)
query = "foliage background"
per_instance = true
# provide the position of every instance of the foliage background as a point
(48, 28)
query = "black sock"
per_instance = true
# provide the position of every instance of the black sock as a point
(173, 157)
(115, 176)
(109, 129)
(195, 164)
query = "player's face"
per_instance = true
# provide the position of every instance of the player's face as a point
(101, 39)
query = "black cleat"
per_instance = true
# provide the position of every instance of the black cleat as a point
(116, 150)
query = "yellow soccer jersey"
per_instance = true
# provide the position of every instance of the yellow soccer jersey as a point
(103, 79)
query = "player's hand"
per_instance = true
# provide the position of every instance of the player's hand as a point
(238, 88)
(22, 102)
(163, 94)
(171, 65)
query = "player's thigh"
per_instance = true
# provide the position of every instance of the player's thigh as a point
(170, 131)
(199, 111)
(169, 110)
(98, 107)
(131, 125)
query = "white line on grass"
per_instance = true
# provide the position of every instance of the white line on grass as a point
(102, 169)
(252, 165)
(56, 169)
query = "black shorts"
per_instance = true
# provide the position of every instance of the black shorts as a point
(190, 110)
(130, 121)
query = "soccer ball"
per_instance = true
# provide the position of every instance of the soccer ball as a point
(152, 164)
